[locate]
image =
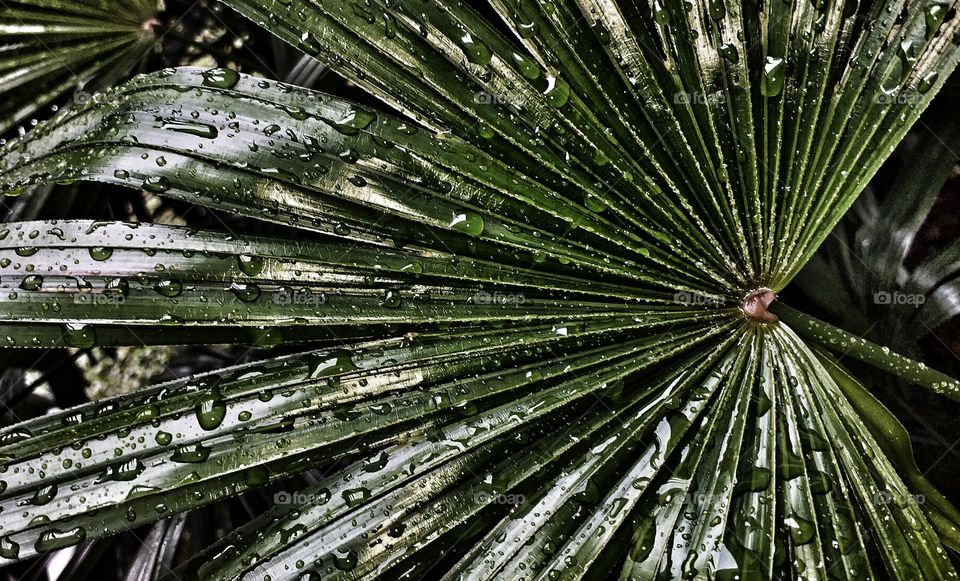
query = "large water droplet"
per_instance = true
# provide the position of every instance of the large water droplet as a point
(468, 223)
(169, 288)
(476, 51)
(210, 411)
(221, 78)
(771, 84)
(55, 539)
(250, 265)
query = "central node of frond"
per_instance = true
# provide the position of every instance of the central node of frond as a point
(756, 304)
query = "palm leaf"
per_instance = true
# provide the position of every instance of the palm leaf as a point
(552, 278)
(51, 47)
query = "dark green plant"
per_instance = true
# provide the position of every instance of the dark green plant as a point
(861, 275)
(549, 269)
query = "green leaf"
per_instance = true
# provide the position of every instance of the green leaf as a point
(51, 47)
(882, 358)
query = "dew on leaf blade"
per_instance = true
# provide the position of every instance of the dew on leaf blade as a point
(247, 293)
(660, 14)
(100, 253)
(191, 128)
(79, 336)
(729, 52)
(221, 78)
(123, 472)
(771, 83)
(526, 66)
(55, 539)
(376, 463)
(156, 184)
(356, 496)
(169, 288)
(391, 299)
(718, 10)
(32, 282)
(12, 437)
(557, 91)
(927, 82)
(352, 121)
(412, 268)
(476, 51)
(468, 223)
(44, 495)
(211, 410)
(330, 363)
(9, 549)
(250, 265)
(191, 454)
(345, 560)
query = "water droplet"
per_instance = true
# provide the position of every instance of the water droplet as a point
(79, 336)
(773, 77)
(717, 9)
(345, 560)
(210, 411)
(331, 363)
(100, 253)
(660, 14)
(391, 299)
(221, 78)
(124, 472)
(557, 91)
(55, 539)
(32, 282)
(412, 268)
(191, 128)
(476, 51)
(376, 463)
(468, 223)
(156, 184)
(169, 288)
(9, 549)
(729, 52)
(44, 495)
(250, 265)
(352, 121)
(191, 454)
(245, 292)
(927, 82)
